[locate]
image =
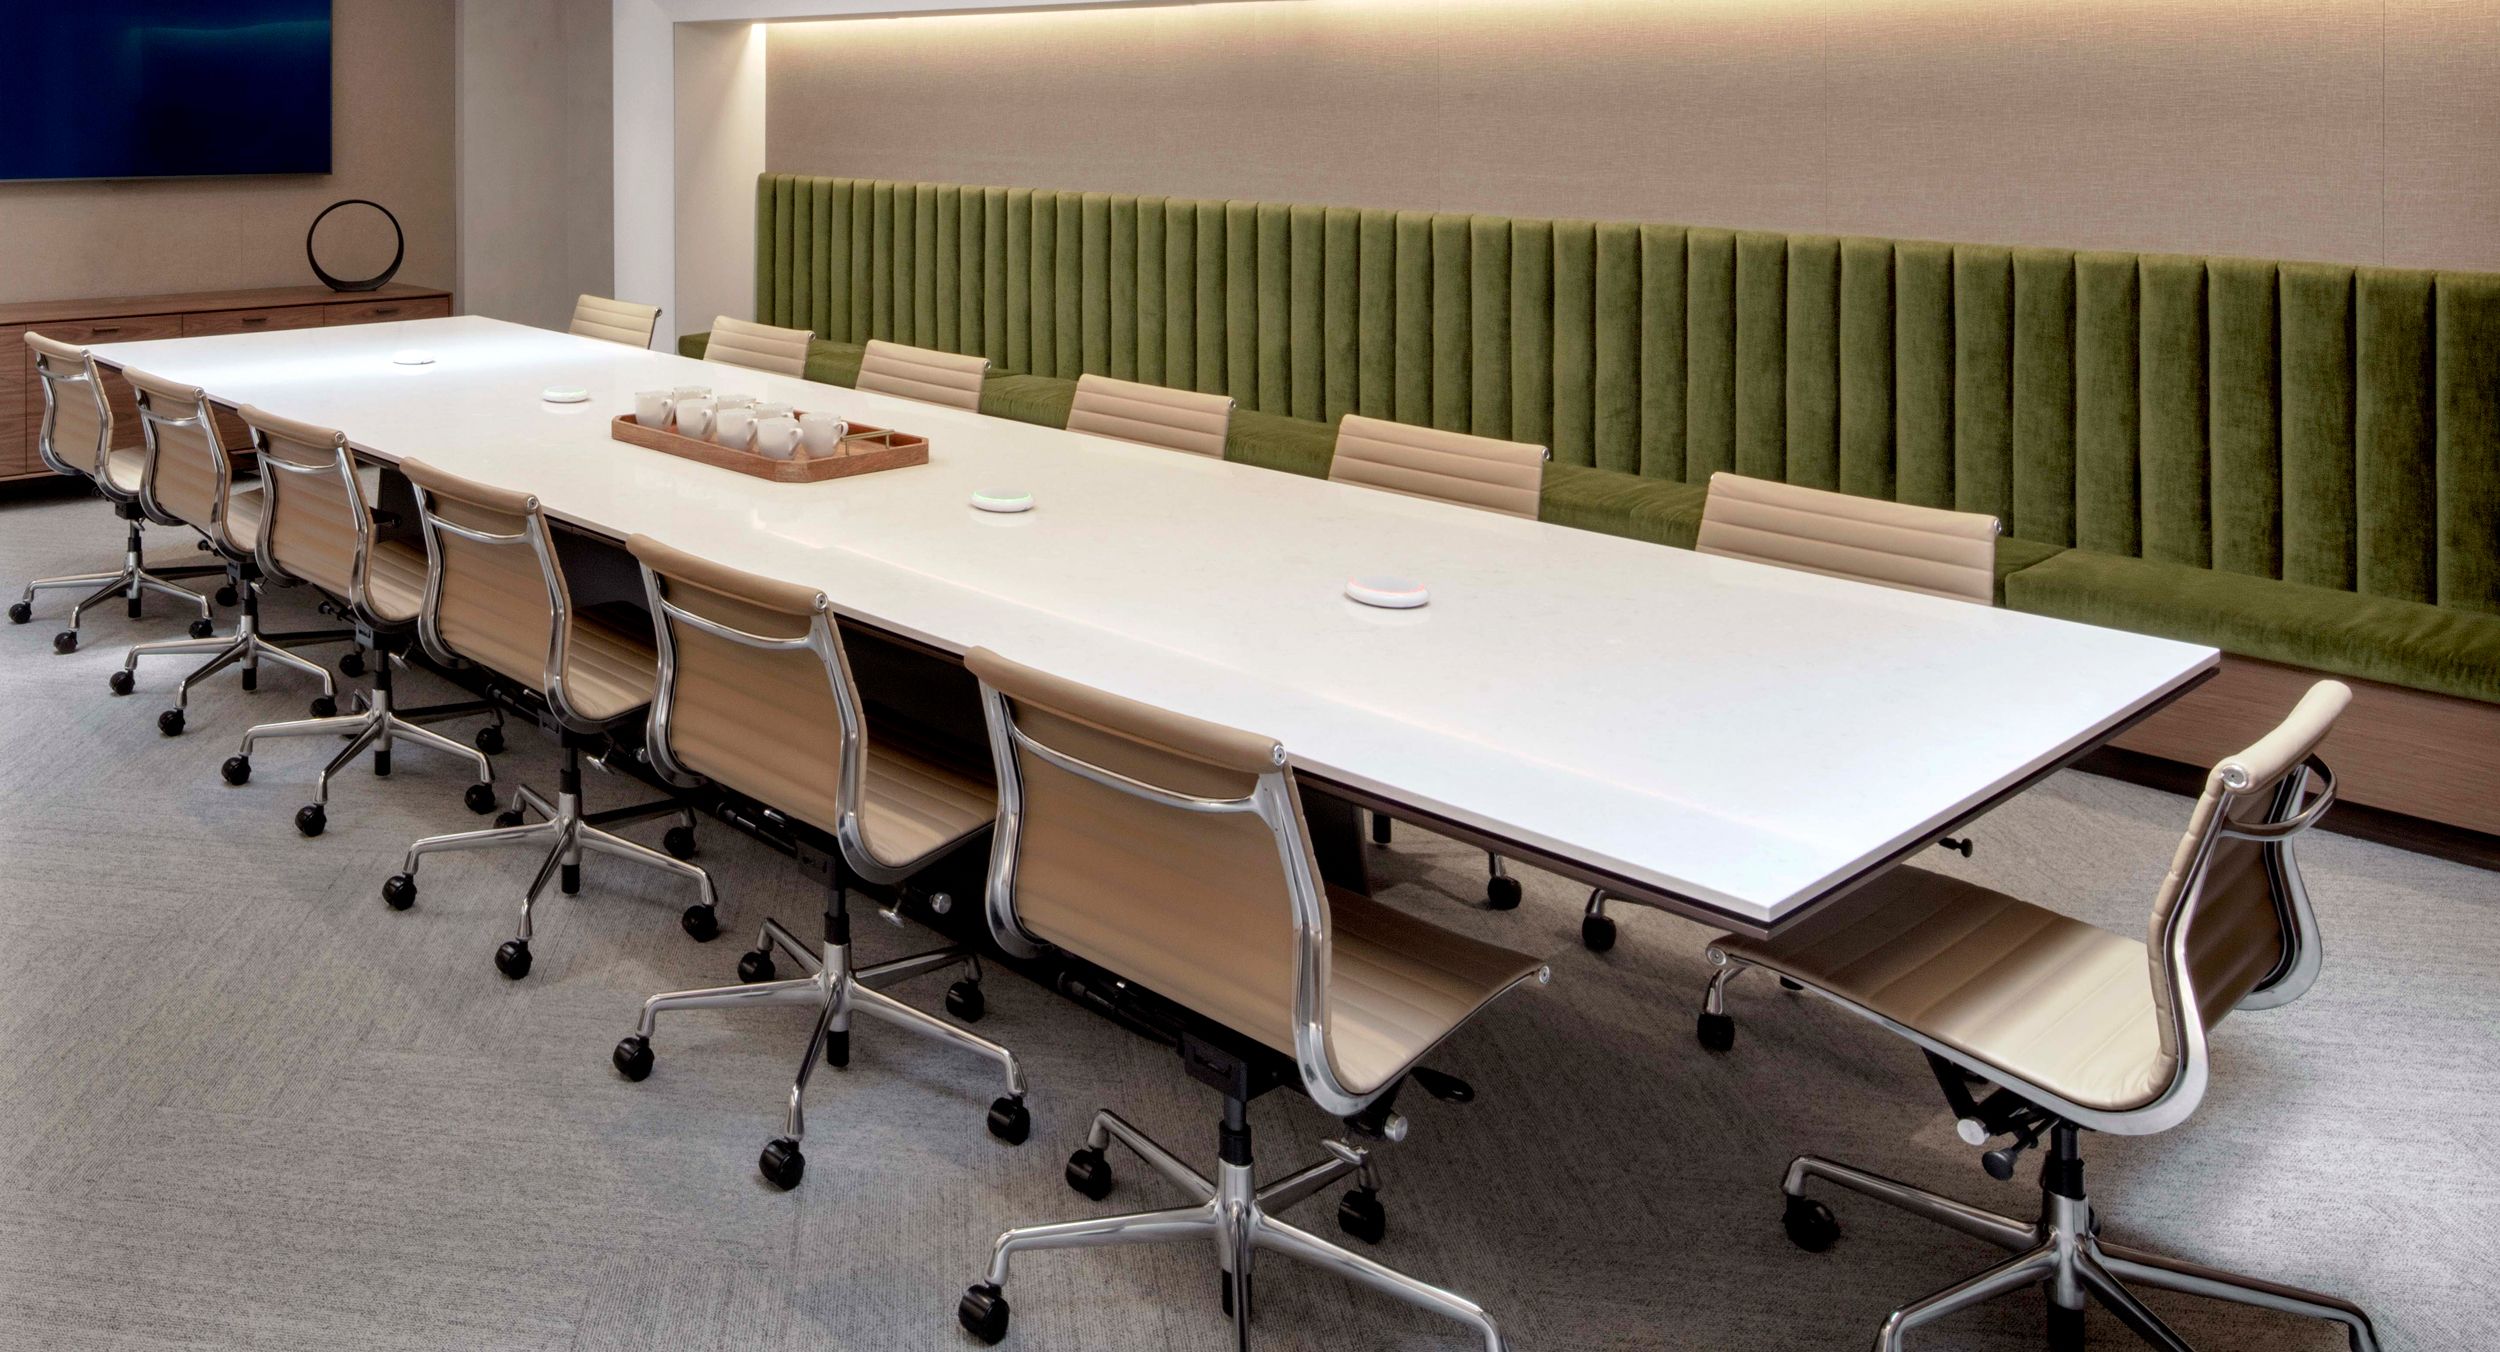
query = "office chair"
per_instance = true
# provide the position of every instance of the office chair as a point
(756, 701)
(1889, 544)
(615, 321)
(317, 529)
(1171, 855)
(189, 478)
(918, 373)
(496, 599)
(1152, 415)
(76, 438)
(1464, 471)
(758, 347)
(2079, 1029)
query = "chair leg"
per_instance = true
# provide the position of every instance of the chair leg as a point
(1267, 1232)
(2121, 1302)
(2171, 1274)
(2029, 1268)
(1110, 1126)
(488, 839)
(878, 1004)
(1137, 1227)
(2003, 1231)
(600, 842)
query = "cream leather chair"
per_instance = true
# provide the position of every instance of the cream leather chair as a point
(756, 702)
(76, 438)
(1153, 415)
(2080, 1029)
(1889, 544)
(496, 599)
(317, 529)
(1171, 853)
(189, 478)
(618, 321)
(917, 373)
(1464, 471)
(760, 347)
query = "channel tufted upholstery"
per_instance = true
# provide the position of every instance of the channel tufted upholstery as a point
(1893, 544)
(943, 378)
(615, 321)
(761, 347)
(1497, 476)
(1180, 420)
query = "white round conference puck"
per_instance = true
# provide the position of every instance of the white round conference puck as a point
(565, 394)
(1002, 500)
(412, 357)
(1388, 593)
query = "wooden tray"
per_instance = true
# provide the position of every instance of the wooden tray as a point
(865, 451)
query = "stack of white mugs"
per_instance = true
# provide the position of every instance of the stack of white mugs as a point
(740, 422)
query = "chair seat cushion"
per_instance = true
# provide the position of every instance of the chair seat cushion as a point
(1043, 400)
(2021, 992)
(1272, 441)
(1661, 511)
(608, 673)
(2435, 648)
(912, 808)
(395, 581)
(1399, 985)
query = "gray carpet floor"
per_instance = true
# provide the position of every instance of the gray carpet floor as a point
(244, 1105)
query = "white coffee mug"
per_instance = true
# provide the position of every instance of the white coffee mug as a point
(821, 433)
(771, 410)
(734, 401)
(694, 416)
(733, 426)
(692, 392)
(776, 438)
(652, 408)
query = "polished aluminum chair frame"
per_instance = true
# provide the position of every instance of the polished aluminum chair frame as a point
(833, 984)
(1232, 1211)
(247, 644)
(134, 579)
(2063, 1249)
(565, 828)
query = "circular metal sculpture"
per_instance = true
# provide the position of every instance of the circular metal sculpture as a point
(399, 248)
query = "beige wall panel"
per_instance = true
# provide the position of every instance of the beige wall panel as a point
(537, 210)
(2443, 132)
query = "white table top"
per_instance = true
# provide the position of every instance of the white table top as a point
(1743, 736)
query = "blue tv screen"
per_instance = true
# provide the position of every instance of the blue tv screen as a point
(167, 88)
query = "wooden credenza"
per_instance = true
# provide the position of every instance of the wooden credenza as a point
(131, 319)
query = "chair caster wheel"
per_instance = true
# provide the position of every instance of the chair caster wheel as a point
(513, 959)
(20, 612)
(479, 797)
(203, 627)
(1360, 1214)
(2065, 1328)
(228, 597)
(311, 819)
(1502, 894)
(324, 707)
(353, 664)
(633, 1058)
(1715, 1032)
(1597, 933)
(679, 842)
(120, 682)
(489, 739)
(170, 722)
(1009, 1121)
(983, 1313)
(509, 818)
(965, 1001)
(65, 642)
(236, 770)
(755, 966)
(1810, 1224)
(782, 1163)
(701, 923)
(399, 891)
(1089, 1172)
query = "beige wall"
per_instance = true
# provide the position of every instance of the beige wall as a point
(720, 149)
(537, 210)
(392, 98)
(2350, 130)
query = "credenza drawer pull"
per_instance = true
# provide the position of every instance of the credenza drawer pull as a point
(99, 330)
(255, 319)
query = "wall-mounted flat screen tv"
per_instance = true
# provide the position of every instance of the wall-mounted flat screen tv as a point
(166, 88)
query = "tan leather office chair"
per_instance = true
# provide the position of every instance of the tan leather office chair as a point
(1171, 854)
(1890, 544)
(756, 703)
(189, 478)
(496, 598)
(317, 529)
(1464, 471)
(618, 321)
(918, 373)
(76, 438)
(2080, 1029)
(760, 347)
(1153, 415)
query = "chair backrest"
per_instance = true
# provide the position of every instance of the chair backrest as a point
(495, 592)
(1179, 420)
(1165, 849)
(616, 321)
(1422, 462)
(315, 525)
(918, 373)
(77, 427)
(189, 477)
(1891, 544)
(755, 688)
(759, 347)
(2232, 925)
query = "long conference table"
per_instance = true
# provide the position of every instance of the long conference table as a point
(1730, 741)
